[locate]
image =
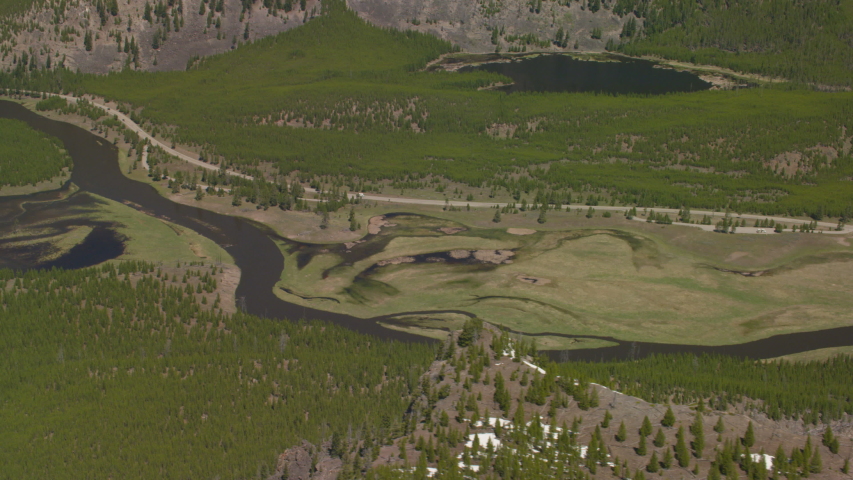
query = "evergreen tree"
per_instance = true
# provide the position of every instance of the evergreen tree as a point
(606, 421)
(681, 452)
(622, 434)
(829, 440)
(660, 438)
(780, 461)
(497, 217)
(714, 472)
(542, 210)
(668, 418)
(719, 427)
(749, 436)
(667, 459)
(698, 431)
(654, 464)
(646, 427)
(641, 448)
(816, 464)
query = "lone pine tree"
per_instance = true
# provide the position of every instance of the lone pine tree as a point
(668, 418)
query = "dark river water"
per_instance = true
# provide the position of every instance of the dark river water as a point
(561, 73)
(96, 170)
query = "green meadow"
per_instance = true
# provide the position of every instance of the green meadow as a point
(628, 282)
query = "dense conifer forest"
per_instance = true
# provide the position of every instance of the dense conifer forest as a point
(28, 156)
(802, 40)
(807, 391)
(12, 7)
(120, 371)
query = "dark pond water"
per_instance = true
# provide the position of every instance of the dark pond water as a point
(56, 213)
(96, 170)
(561, 73)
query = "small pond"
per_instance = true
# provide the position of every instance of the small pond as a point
(618, 75)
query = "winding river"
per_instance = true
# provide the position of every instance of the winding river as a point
(96, 170)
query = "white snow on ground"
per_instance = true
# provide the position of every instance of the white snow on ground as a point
(492, 422)
(606, 388)
(484, 439)
(474, 468)
(534, 367)
(768, 460)
(431, 471)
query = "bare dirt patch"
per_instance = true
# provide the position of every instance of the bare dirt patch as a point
(460, 254)
(228, 287)
(494, 256)
(349, 245)
(451, 230)
(396, 261)
(520, 231)
(374, 227)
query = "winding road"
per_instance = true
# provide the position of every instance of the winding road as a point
(823, 227)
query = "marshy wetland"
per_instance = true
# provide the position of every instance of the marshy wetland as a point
(602, 283)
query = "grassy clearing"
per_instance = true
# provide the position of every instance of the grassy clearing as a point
(147, 238)
(626, 283)
(816, 355)
(152, 239)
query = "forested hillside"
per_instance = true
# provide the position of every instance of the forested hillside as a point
(485, 411)
(12, 7)
(28, 156)
(801, 40)
(122, 372)
(807, 391)
(340, 98)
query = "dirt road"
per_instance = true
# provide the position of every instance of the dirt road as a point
(133, 126)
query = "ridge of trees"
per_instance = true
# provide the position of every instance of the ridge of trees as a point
(807, 391)
(802, 40)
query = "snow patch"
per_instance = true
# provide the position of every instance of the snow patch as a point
(768, 460)
(535, 367)
(483, 439)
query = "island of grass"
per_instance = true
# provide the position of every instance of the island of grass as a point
(30, 160)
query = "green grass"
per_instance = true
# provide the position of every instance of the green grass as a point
(594, 284)
(152, 239)
(28, 156)
(146, 238)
